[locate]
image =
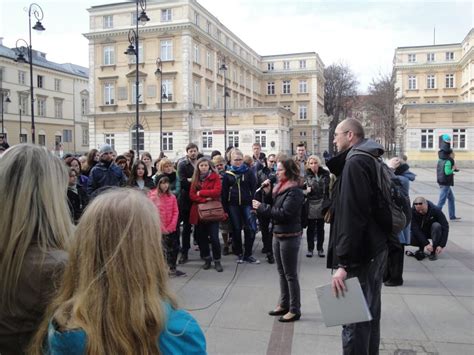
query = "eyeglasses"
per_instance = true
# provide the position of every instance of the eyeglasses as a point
(417, 203)
(336, 133)
(271, 161)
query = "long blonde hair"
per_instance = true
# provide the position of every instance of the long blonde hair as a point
(116, 280)
(33, 188)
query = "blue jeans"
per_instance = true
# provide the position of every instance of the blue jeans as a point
(445, 192)
(242, 217)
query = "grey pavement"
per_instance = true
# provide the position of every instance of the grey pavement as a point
(432, 313)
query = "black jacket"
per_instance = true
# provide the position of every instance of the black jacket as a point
(421, 225)
(441, 177)
(238, 189)
(77, 201)
(285, 211)
(185, 172)
(319, 184)
(355, 236)
(104, 175)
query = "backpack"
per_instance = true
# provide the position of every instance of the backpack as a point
(390, 194)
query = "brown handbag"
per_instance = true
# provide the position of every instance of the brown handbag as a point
(211, 211)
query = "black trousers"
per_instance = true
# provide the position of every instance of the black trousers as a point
(395, 258)
(364, 338)
(171, 248)
(435, 236)
(186, 232)
(315, 231)
(267, 236)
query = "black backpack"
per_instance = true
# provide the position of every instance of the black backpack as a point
(389, 194)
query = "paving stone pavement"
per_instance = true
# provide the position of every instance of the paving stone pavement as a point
(432, 313)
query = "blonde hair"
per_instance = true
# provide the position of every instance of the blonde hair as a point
(164, 162)
(33, 187)
(116, 280)
(313, 157)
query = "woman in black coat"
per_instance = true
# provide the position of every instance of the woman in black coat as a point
(283, 205)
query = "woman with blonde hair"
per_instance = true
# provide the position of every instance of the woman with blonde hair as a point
(115, 297)
(35, 226)
(166, 167)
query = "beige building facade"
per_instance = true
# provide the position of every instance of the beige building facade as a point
(436, 85)
(273, 100)
(61, 102)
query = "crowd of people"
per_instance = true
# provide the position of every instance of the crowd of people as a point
(88, 257)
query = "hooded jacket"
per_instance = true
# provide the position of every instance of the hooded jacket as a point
(167, 208)
(355, 236)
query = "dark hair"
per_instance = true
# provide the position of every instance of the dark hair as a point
(69, 160)
(292, 170)
(301, 145)
(191, 146)
(133, 175)
(123, 158)
(214, 153)
(90, 158)
(196, 174)
(163, 179)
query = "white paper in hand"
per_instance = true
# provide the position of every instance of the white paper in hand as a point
(352, 308)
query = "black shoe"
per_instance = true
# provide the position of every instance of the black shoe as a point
(280, 312)
(218, 266)
(225, 251)
(207, 264)
(321, 253)
(270, 259)
(433, 256)
(296, 317)
(183, 259)
(264, 251)
(455, 219)
(391, 283)
(309, 254)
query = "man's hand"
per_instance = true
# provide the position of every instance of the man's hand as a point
(439, 250)
(429, 248)
(338, 286)
(255, 204)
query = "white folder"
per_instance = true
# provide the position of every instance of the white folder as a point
(347, 309)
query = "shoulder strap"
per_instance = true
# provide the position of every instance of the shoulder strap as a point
(378, 163)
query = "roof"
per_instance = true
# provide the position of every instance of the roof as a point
(40, 60)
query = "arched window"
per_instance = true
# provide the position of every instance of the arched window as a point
(141, 137)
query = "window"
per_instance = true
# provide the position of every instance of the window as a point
(23, 103)
(196, 19)
(165, 15)
(132, 58)
(109, 94)
(287, 107)
(67, 135)
(108, 21)
(430, 101)
(459, 138)
(166, 49)
(21, 77)
(23, 138)
(197, 53)
(302, 64)
(286, 87)
(449, 80)
(41, 139)
(58, 108)
(233, 139)
(302, 112)
(57, 84)
(167, 90)
(449, 55)
(411, 82)
(430, 57)
(109, 55)
(208, 60)
(85, 136)
(209, 96)
(206, 139)
(286, 65)
(261, 137)
(303, 134)
(84, 106)
(134, 93)
(40, 81)
(271, 88)
(427, 139)
(141, 137)
(450, 101)
(303, 86)
(197, 91)
(411, 58)
(167, 141)
(270, 66)
(109, 138)
(430, 81)
(41, 106)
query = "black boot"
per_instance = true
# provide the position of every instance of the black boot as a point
(218, 266)
(270, 258)
(207, 263)
(184, 258)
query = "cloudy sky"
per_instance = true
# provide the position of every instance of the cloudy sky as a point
(361, 34)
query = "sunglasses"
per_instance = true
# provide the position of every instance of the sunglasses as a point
(417, 203)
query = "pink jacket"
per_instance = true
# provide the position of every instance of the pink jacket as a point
(167, 207)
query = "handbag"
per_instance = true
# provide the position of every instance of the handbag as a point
(211, 211)
(315, 209)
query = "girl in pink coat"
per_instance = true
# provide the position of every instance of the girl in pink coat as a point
(167, 207)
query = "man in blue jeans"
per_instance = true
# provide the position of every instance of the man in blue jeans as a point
(445, 177)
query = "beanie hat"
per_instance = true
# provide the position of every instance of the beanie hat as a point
(446, 138)
(105, 148)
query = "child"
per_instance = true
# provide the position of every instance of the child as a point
(206, 186)
(167, 207)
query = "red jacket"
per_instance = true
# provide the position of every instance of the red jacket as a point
(167, 207)
(210, 187)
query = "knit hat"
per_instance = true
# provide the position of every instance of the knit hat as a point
(105, 148)
(446, 138)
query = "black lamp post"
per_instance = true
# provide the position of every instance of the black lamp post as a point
(21, 141)
(163, 95)
(4, 99)
(37, 12)
(223, 67)
(133, 50)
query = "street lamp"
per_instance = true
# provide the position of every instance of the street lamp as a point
(37, 12)
(163, 95)
(6, 99)
(133, 50)
(223, 67)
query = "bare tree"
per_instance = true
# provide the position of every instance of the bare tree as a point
(380, 105)
(340, 91)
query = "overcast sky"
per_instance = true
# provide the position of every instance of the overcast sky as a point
(361, 34)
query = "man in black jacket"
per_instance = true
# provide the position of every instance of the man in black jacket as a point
(358, 242)
(428, 222)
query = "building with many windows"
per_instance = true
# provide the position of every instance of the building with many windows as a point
(274, 100)
(436, 85)
(61, 102)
